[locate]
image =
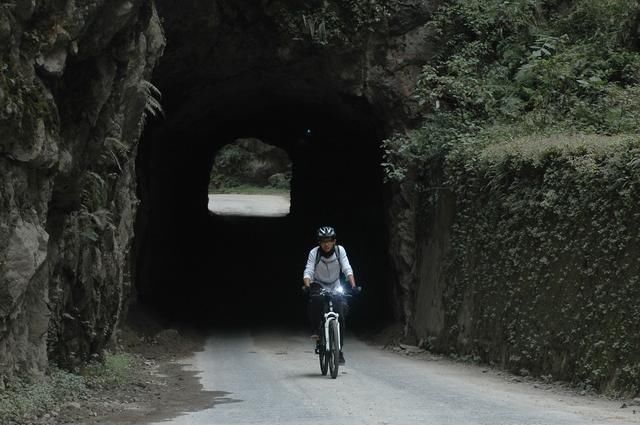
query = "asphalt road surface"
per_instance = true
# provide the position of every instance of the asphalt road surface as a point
(274, 378)
(249, 205)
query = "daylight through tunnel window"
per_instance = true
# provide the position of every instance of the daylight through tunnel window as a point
(250, 178)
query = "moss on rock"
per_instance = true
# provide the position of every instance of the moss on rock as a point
(541, 271)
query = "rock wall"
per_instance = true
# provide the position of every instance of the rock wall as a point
(72, 100)
(74, 91)
(433, 249)
(229, 55)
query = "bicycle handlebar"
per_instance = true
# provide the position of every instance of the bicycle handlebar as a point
(349, 292)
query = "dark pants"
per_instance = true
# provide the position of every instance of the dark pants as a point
(316, 310)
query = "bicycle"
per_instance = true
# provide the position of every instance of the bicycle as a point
(328, 347)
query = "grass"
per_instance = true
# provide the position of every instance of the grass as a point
(23, 400)
(113, 371)
(250, 190)
(533, 146)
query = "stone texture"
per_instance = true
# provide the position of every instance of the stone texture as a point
(263, 48)
(432, 249)
(402, 250)
(70, 84)
(73, 87)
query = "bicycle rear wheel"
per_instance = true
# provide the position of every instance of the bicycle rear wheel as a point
(333, 349)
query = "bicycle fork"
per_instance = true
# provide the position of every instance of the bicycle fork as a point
(328, 318)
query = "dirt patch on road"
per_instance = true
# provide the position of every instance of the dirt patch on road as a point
(160, 387)
(155, 386)
(391, 339)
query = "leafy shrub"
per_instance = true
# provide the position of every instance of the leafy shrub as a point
(23, 400)
(334, 24)
(280, 181)
(545, 223)
(533, 66)
(112, 371)
(543, 250)
(249, 162)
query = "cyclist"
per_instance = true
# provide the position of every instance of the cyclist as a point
(324, 265)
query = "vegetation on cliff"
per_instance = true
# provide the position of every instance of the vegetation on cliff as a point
(543, 249)
(532, 121)
(506, 69)
(339, 23)
(250, 166)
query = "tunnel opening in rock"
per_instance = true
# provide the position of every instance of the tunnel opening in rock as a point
(232, 71)
(192, 264)
(250, 178)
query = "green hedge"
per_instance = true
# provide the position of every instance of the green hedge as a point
(544, 250)
(543, 272)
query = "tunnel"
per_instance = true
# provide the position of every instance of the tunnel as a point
(193, 265)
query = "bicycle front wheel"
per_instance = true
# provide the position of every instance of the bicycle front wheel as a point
(324, 357)
(333, 349)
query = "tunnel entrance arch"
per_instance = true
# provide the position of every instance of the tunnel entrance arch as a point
(197, 265)
(191, 263)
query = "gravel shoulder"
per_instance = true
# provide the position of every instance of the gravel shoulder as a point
(155, 387)
(160, 388)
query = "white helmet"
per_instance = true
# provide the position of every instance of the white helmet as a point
(326, 232)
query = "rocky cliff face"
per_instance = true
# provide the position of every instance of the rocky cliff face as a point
(74, 84)
(225, 57)
(72, 98)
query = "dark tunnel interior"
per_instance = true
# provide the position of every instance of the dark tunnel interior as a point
(228, 73)
(232, 271)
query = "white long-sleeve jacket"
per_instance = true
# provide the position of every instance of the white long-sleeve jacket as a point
(327, 270)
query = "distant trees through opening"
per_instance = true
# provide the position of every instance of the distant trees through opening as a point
(250, 178)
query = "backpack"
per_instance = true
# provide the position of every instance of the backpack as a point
(337, 251)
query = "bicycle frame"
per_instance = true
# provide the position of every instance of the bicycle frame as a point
(329, 348)
(331, 315)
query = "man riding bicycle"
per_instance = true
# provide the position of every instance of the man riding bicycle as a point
(324, 265)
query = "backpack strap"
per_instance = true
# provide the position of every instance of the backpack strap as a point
(337, 252)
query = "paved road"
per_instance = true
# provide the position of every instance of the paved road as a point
(249, 205)
(274, 378)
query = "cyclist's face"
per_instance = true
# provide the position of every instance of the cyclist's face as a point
(327, 244)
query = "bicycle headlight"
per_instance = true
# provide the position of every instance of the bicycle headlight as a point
(340, 289)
